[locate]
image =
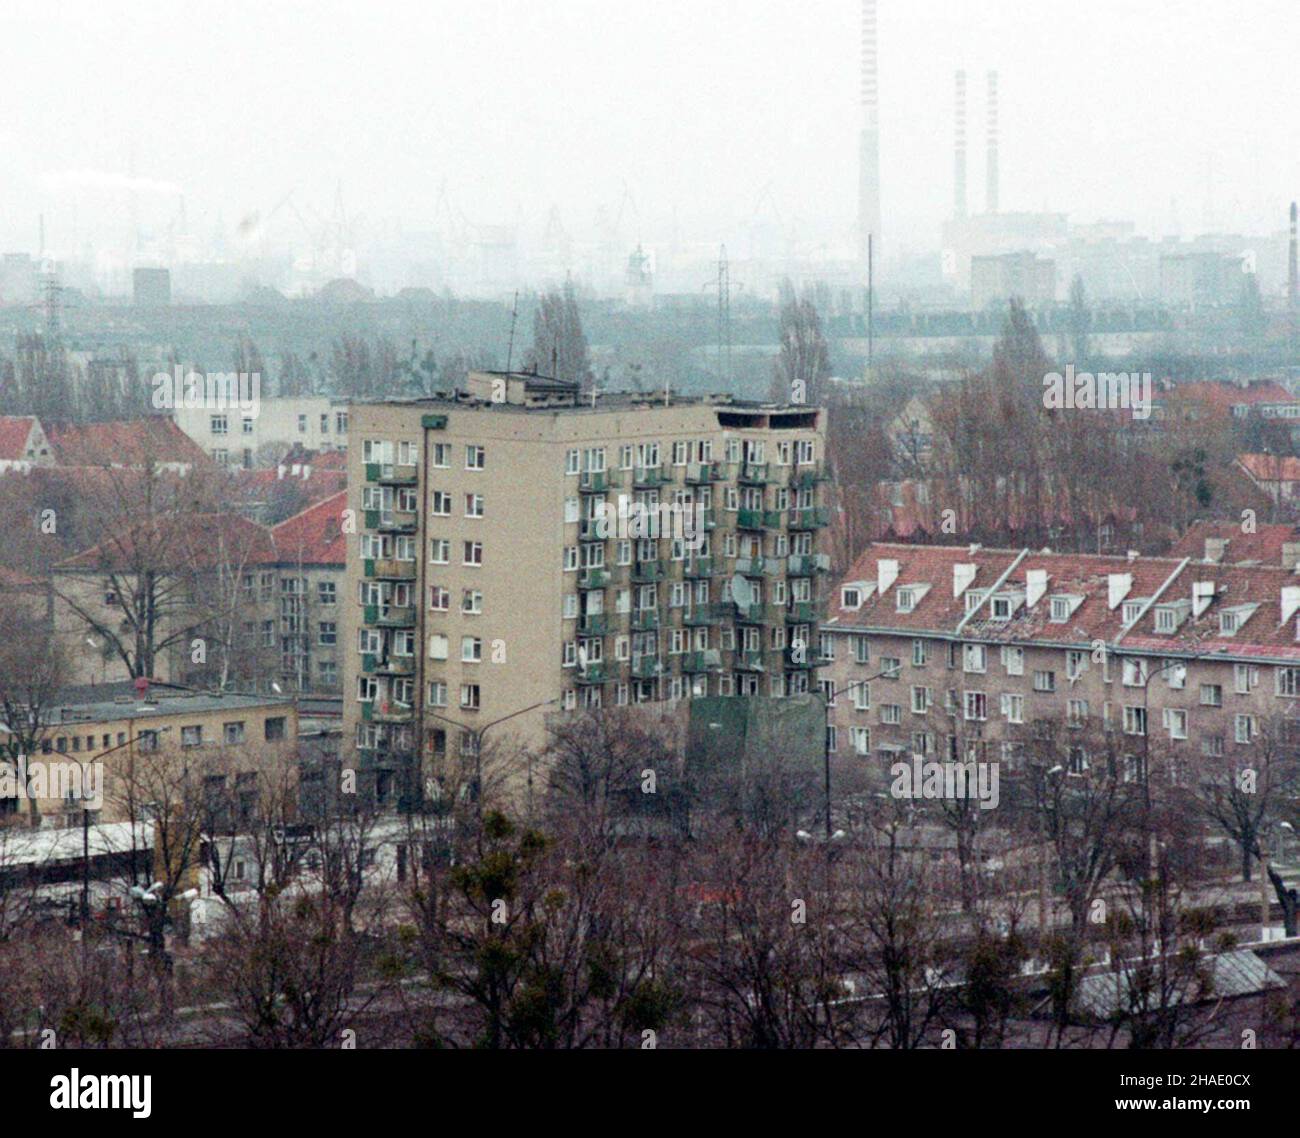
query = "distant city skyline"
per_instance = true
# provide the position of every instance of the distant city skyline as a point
(689, 123)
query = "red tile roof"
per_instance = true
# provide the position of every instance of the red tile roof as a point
(15, 431)
(179, 541)
(130, 442)
(1223, 397)
(1263, 546)
(1157, 581)
(1271, 468)
(315, 536)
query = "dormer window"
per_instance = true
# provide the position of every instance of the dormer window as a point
(1232, 620)
(851, 598)
(1133, 609)
(1063, 607)
(906, 600)
(1004, 605)
(1169, 617)
(974, 598)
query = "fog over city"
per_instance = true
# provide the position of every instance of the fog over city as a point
(686, 122)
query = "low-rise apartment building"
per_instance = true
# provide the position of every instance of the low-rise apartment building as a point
(255, 437)
(948, 651)
(483, 585)
(239, 745)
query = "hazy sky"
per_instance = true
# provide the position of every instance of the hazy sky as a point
(1110, 108)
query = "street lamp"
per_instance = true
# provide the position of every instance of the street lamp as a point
(826, 737)
(477, 735)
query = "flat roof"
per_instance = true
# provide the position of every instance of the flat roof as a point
(74, 706)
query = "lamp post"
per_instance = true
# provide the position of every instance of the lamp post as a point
(826, 738)
(478, 733)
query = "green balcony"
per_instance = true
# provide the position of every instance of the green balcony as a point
(709, 660)
(389, 712)
(368, 663)
(758, 566)
(752, 614)
(702, 615)
(388, 569)
(702, 473)
(812, 517)
(753, 473)
(700, 567)
(391, 474)
(599, 481)
(593, 579)
(751, 661)
(646, 620)
(647, 667)
(392, 521)
(592, 674)
(806, 478)
(648, 572)
(390, 616)
(594, 624)
(647, 477)
(396, 666)
(806, 564)
(800, 612)
(749, 519)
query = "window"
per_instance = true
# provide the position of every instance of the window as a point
(439, 550)
(439, 598)
(1211, 695)
(475, 457)
(906, 600)
(326, 592)
(1135, 672)
(861, 697)
(273, 729)
(1013, 708)
(1287, 681)
(1244, 728)
(442, 455)
(1176, 722)
(469, 696)
(1076, 663)
(1176, 675)
(976, 705)
(192, 736)
(891, 713)
(920, 700)
(471, 650)
(850, 598)
(232, 733)
(572, 461)
(974, 657)
(1245, 677)
(471, 602)
(920, 653)
(1013, 660)
(437, 694)
(860, 740)
(473, 553)
(440, 504)
(438, 644)
(219, 424)
(861, 650)
(1135, 720)
(327, 633)
(891, 667)
(1045, 681)
(474, 505)
(1076, 712)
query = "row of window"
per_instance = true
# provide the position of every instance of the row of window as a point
(385, 453)
(641, 456)
(220, 424)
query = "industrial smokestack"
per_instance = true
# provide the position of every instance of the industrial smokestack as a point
(1293, 275)
(869, 138)
(991, 187)
(959, 153)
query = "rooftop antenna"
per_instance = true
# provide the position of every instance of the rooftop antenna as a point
(514, 315)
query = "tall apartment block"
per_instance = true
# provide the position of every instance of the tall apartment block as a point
(487, 581)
